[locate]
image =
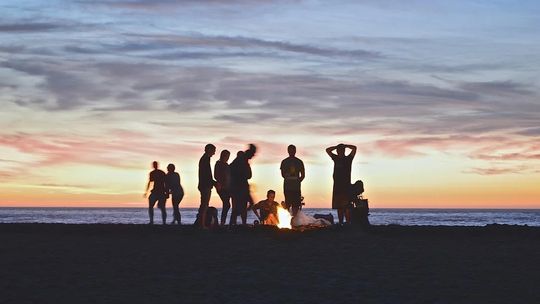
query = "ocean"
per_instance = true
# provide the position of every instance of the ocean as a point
(406, 217)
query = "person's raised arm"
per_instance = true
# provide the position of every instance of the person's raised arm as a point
(329, 151)
(353, 150)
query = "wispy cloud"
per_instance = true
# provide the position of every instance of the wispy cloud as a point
(29, 27)
(498, 170)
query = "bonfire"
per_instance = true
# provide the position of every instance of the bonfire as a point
(284, 218)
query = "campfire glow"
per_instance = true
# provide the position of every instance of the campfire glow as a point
(284, 218)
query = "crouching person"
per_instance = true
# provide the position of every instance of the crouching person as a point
(211, 219)
(268, 209)
(359, 207)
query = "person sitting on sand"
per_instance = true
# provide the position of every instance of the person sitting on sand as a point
(174, 188)
(158, 193)
(268, 208)
(342, 179)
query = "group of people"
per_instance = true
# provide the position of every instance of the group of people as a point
(231, 182)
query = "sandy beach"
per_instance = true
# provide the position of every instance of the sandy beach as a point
(57, 263)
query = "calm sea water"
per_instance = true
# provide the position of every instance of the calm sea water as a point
(443, 217)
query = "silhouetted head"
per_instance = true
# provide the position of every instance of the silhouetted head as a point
(224, 156)
(292, 150)
(357, 188)
(171, 168)
(210, 149)
(340, 149)
(271, 195)
(155, 165)
(250, 152)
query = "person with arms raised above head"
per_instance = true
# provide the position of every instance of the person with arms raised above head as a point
(293, 173)
(342, 179)
(174, 188)
(158, 193)
(206, 182)
(222, 174)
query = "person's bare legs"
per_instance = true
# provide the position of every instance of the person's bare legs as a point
(205, 201)
(234, 210)
(151, 203)
(340, 214)
(243, 215)
(226, 200)
(295, 209)
(161, 206)
(151, 214)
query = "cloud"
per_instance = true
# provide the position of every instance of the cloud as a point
(332, 105)
(400, 146)
(63, 186)
(498, 170)
(172, 4)
(529, 132)
(509, 156)
(120, 150)
(199, 46)
(29, 27)
(504, 88)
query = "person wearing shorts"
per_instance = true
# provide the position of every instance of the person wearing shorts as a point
(158, 193)
(174, 188)
(293, 173)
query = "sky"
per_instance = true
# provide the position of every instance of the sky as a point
(440, 97)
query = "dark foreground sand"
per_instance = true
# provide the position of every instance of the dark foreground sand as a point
(46, 263)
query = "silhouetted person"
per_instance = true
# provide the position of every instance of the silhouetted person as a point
(342, 179)
(174, 187)
(268, 209)
(206, 181)
(211, 218)
(240, 174)
(222, 173)
(157, 194)
(360, 206)
(293, 173)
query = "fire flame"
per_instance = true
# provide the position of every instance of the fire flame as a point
(284, 218)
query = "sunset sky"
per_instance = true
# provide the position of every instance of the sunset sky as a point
(442, 98)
